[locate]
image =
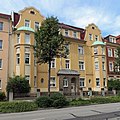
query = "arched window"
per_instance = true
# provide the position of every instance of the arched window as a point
(65, 82)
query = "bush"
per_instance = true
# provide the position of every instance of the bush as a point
(8, 107)
(2, 96)
(58, 100)
(43, 101)
(18, 84)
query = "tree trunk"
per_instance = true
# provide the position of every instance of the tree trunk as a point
(49, 70)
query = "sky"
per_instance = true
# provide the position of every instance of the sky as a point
(104, 13)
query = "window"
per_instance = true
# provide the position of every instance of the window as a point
(18, 38)
(96, 37)
(110, 52)
(42, 80)
(82, 82)
(81, 65)
(27, 78)
(35, 81)
(18, 58)
(97, 82)
(27, 23)
(36, 25)
(75, 34)
(67, 64)
(103, 65)
(65, 82)
(0, 63)
(53, 63)
(115, 53)
(103, 51)
(27, 58)
(96, 65)
(110, 66)
(90, 36)
(80, 50)
(1, 42)
(52, 82)
(0, 84)
(1, 25)
(104, 82)
(95, 50)
(66, 32)
(27, 38)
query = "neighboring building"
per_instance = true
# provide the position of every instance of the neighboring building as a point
(85, 66)
(112, 42)
(5, 31)
(23, 61)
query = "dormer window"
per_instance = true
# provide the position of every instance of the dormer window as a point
(27, 23)
(32, 12)
(75, 34)
(66, 32)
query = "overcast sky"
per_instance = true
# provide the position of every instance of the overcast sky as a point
(104, 13)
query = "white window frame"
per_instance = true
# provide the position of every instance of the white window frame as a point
(67, 65)
(110, 52)
(0, 84)
(74, 34)
(103, 65)
(1, 44)
(1, 63)
(96, 37)
(81, 66)
(90, 37)
(27, 23)
(53, 63)
(111, 66)
(27, 58)
(35, 27)
(97, 80)
(82, 82)
(115, 53)
(65, 82)
(18, 59)
(96, 65)
(80, 50)
(18, 38)
(103, 50)
(27, 78)
(26, 40)
(1, 26)
(51, 82)
(96, 50)
(66, 32)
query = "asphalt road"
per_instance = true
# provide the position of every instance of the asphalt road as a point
(91, 112)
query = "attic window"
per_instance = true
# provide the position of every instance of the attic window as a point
(93, 28)
(32, 12)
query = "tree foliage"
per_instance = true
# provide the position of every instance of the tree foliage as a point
(49, 43)
(18, 84)
(114, 84)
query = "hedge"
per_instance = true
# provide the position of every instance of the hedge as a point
(21, 106)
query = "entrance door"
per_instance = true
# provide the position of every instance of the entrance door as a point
(72, 88)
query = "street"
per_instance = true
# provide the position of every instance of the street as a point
(91, 112)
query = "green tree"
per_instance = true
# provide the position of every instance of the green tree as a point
(114, 84)
(49, 43)
(117, 60)
(18, 84)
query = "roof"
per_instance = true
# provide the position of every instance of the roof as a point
(24, 28)
(68, 72)
(5, 16)
(98, 43)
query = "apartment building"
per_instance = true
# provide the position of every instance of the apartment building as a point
(5, 33)
(23, 61)
(85, 66)
(112, 42)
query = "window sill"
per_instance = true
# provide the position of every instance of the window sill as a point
(27, 64)
(0, 68)
(65, 86)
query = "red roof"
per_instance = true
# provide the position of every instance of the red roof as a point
(81, 30)
(5, 16)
